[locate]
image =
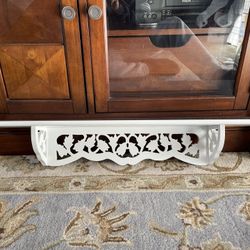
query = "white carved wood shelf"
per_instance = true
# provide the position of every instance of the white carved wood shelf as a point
(198, 145)
(58, 143)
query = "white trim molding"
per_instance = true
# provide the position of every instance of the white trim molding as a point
(89, 123)
(196, 142)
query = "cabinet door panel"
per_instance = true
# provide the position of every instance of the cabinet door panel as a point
(29, 21)
(41, 57)
(34, 72)
(157, 56)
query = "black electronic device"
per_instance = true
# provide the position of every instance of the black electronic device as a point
(152, 12)
(129, 14)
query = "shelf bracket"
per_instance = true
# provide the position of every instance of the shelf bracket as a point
(128, 142)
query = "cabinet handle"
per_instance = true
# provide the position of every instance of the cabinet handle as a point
(95, 12)
(68, 13)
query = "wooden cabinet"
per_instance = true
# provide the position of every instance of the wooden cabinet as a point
(123, 59)
(40, 57)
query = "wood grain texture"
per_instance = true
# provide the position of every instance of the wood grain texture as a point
(132, 92)
(15, 141)
(3, 96)
(170, 104)
(48, 64)
(30, 21)
(74, 59)
(98, 36)
(208, 114)
(154, 31)
(248, 108)
(243, 78)
(237, 139)
(36, 23)
(40, 107)
(34, 71)
(84, 24)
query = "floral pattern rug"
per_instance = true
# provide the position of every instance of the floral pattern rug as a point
(150, 206)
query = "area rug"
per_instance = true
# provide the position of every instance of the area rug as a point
(150, 206)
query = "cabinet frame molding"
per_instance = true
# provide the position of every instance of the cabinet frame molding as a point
(243, 76)
(73, 53)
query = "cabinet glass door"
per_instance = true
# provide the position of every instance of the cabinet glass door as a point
(166, 52)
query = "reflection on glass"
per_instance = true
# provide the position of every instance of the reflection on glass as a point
(175, 47)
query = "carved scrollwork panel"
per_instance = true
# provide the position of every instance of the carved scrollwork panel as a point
(125, 146)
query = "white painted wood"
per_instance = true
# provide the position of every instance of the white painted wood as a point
(89, 123)
(128, 142)
(40, 142)
(128, 138)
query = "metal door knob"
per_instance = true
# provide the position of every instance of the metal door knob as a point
(95, 12)
(68, 13)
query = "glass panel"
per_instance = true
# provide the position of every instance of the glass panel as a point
(174, 47)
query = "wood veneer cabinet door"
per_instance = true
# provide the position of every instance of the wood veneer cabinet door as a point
(40, 57)
(154, 57)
